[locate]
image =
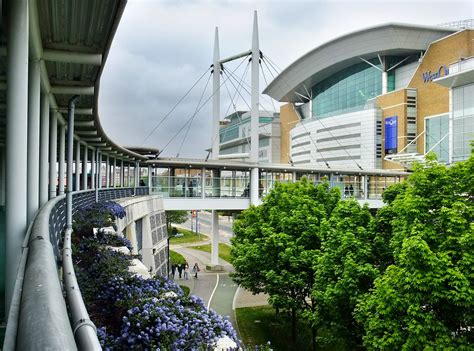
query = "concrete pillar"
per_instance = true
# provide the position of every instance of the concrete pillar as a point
(107, 171)
(77, 185)
(53, 155)
(215, 238)
(34, 95)
(254, 181)
(128, 175)
(84, 168)
(44, 145)
(16, 140)
(62, 150)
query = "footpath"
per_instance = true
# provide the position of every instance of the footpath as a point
(217, 289)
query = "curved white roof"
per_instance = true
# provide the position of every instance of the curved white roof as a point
(345, 51)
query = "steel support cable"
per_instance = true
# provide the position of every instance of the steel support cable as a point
(197, 106)
(235, 94)
(202, 106)
(174, 107)
(248, 92)
(231, 72)
(272, 64)
(266, 83)
(260, 105)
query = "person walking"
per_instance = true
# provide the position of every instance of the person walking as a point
(173, 270)
(195, 270)
(180, 270)
(186, 271)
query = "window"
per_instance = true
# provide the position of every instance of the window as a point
(436, 136)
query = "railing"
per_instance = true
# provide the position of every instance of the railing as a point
(191, 187)
(367, 187)
(38, 317)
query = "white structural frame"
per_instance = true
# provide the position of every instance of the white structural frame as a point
(254, 121)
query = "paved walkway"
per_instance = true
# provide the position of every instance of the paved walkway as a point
(217, 290)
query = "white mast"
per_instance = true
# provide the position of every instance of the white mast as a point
(216, 98)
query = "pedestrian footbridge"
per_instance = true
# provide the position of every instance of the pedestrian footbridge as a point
(55, 157)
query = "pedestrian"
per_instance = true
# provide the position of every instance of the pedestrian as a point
(195, 270)
(186, 271)
(351, 190)
(180, 270)
(173, 270)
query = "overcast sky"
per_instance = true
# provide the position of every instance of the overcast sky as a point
(161, 49)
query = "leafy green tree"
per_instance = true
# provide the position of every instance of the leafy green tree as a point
(344, 272)
(425, 299)
(176, 217)
(275, 244)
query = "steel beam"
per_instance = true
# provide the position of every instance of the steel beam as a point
(72, 90)
(72, 57)
(84, 168)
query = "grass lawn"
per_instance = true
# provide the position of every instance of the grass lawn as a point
(176, 258)
(224, 250)
(188, 237)
(257, 325)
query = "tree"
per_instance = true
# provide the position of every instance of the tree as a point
(176, 217)
(425, 299)
(275, 244)
(344, 272)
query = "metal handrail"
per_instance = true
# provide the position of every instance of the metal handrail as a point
(38, 316)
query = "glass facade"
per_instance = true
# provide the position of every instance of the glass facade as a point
(348, 90)
(436, 136)
(463, 121)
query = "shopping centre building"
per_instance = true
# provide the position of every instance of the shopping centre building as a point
(381, 97)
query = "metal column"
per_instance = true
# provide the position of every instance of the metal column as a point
(215, 238)
(44, 144)
(107, 171)
(53, 155)
(77, 185)
(216, 98)
(99, 169)
(16, 139)
(114, 173)
(122, 171)
(70, 149)
(149, 179)
(93, 169)
(34, 95)
(254, 113)
(62, 147)
(84, 168)
(137, 174)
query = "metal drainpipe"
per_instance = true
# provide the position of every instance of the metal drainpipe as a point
(70, 141)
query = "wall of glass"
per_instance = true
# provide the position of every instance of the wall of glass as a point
(463, 121)
(436, 136)
(349, 89)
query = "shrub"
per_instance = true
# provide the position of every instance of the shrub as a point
(96, 215)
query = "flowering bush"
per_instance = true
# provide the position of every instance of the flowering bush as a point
(136, 313)
(96, 215)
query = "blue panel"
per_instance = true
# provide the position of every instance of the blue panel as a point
(391, 134)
